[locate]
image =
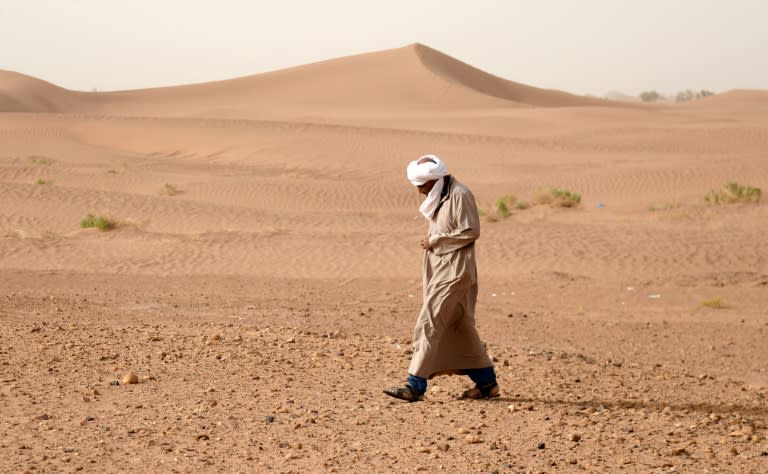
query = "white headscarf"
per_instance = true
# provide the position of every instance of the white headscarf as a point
(428, 168)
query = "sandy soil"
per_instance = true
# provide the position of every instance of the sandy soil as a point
(263, 277)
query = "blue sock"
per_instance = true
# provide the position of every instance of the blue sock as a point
(418, 384)
(482, 377)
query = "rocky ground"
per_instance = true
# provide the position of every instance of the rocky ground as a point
(238, 376)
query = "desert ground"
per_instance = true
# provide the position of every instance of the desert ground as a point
(262, 276)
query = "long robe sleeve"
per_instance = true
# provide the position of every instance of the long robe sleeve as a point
(464, 224)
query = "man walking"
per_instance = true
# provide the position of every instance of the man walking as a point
(445, 340)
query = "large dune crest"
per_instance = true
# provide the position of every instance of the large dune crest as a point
(484, 83)
(414, 77)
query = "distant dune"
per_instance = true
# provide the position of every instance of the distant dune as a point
(22, 93)
(738, 101)
(412, 77)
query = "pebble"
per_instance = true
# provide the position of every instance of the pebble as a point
(130, 378)
(541, 446)
(472, 439)
(269, 419)
(575, 437)
(463, 431)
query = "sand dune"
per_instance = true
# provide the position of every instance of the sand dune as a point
(273, 210)
(412, 77)
(21, 93)
(741, 102)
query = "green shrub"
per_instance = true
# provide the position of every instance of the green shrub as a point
(41, 160)
(733, 192)
(100, 222)
(714, 303)
(557, 197)
(170, 189)
(650, 96)
(501, 208)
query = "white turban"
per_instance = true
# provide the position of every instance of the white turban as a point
(426, 168)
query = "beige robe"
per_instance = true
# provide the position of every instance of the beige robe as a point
(445, 340)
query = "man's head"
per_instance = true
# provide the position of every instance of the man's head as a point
(425, 171)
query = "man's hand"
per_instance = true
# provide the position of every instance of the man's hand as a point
(425, 244)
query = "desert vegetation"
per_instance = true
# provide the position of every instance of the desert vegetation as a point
(557, 197)
(504, 206)
(664, 207)
(41, 160)
(170, 190)
(686, 95)
(733, 192)
(682, 96)
(100, 222)
(714, 303)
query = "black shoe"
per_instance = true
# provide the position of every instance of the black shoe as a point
(486, 391)
(405, 392)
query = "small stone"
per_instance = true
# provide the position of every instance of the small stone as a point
(444, 447)
(472, 439)
(423, 449)
(269, 419)
(541, 446)
(512, 408)
(96, 393)
(463, 431)
(114, 383)
(573, 461)
(130, 378)
(575, 437)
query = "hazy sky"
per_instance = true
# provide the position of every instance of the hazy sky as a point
(584, 46)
